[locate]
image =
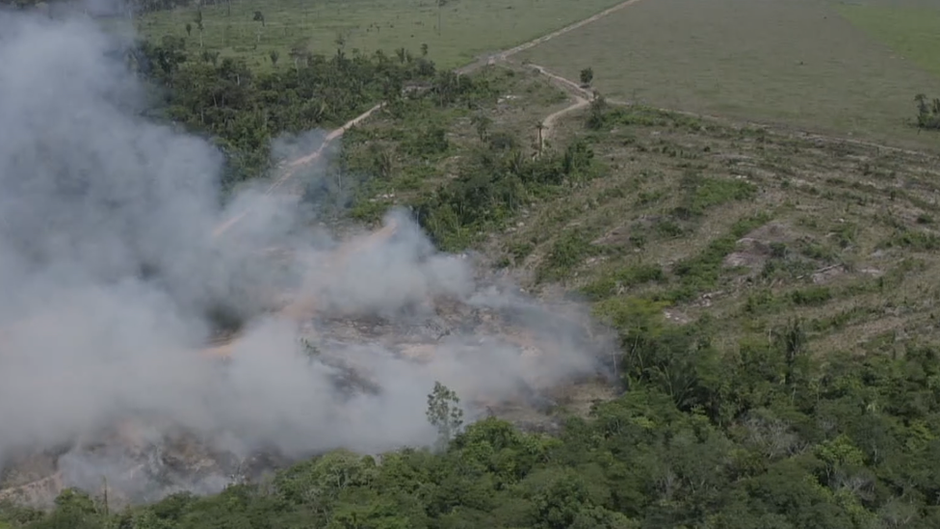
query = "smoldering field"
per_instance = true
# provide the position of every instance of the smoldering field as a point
(109, 271)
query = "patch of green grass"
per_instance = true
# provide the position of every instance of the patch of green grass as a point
(796, 62)
(567, 252)
(812, 296)
(914, 240)
(706, 192)
(610, 283)
(468, 29)
(624, 312)
(910, 32)
(701, 273)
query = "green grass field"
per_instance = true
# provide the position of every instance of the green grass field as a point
(468, 28)
(796, 62)
(911, 32)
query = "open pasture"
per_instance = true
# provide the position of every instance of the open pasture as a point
(468, 29)
(812, 64)
(907, 28)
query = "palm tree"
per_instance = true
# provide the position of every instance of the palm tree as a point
(440, 4)
(540, 126)
(481, 123)
(199, 25)
(259, 17)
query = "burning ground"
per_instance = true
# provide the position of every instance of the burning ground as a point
(112, 283)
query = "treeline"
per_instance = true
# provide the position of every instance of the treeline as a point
(119, 7)
(243, 111)
(768, 435)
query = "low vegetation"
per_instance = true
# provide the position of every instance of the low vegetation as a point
(928, 112)
(245, 111)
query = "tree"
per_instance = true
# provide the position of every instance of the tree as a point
(481, 122)
(444, 413)
(199, 26)
(382, 162)
(928, 112)
(791, 341)
(540, 126)
(587, 75)
(259, 17)
(440, 5)
(596, 112)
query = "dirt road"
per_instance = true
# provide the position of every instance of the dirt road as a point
(778, 129)
(548, 123)
(579, 93)
(505, 54)
(292, 167)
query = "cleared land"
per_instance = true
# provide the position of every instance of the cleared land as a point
(909, 31)
(706, 221)
(797, 63)
(468, 29)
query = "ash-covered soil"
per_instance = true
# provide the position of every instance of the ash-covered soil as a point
(504, 354)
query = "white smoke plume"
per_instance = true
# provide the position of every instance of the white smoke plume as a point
(109, 267)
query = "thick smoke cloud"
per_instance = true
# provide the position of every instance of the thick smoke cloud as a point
(109, 268)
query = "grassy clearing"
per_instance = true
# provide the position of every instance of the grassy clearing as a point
(910, 32)
(797, 63)
(703, 221)
(468, 29)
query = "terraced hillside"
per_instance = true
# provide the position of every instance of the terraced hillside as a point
(740, 226)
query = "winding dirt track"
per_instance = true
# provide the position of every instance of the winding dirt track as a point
(579, 93)
(548, 123)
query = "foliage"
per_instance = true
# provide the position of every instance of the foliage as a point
(244, 111)
(848, 442)
(586, 76)
(496, 181)
(928, 112)
(444, 412)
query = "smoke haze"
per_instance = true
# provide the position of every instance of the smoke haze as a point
(108, 269)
